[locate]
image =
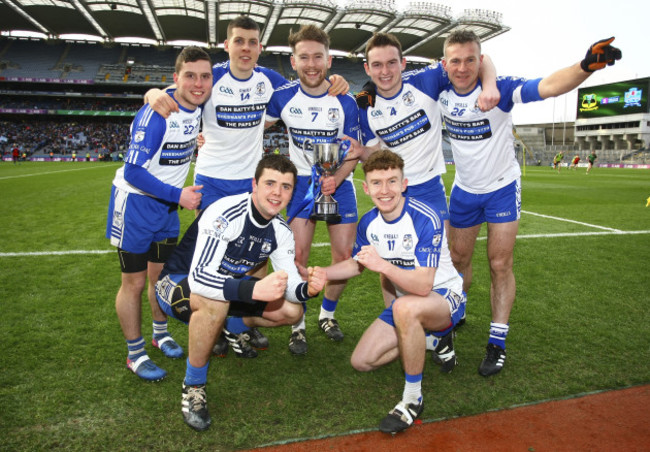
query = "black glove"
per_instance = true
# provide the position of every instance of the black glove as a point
(599, 55)
(367, 95)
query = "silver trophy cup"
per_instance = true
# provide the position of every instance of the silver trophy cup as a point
(327, 157)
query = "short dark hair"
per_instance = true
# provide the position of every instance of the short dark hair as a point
(383, 159)
(276, 162)
(461, 37)
(190, 54)
(384, 40)
(309, 33)
(244, 22)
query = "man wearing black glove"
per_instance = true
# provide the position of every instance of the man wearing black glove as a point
(599, 55)
(487, 186)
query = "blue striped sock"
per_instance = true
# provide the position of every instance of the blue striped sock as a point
(498, 334)
(136, 348)
(196, 375)
(160, 329)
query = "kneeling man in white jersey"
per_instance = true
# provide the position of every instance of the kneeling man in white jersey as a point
(404, 240)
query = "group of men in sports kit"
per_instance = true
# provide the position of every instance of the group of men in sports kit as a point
(216, 280)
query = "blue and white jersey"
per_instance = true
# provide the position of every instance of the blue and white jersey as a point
(164, 147)
(233, 122)
(416, 239)
(482, 142)
(321, 119)
(409, 123)
(230, 243)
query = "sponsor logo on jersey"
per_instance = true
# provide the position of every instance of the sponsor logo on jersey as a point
(226, 90)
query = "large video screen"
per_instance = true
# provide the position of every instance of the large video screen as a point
(613, 99)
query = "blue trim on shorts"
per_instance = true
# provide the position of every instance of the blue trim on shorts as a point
(215, 189)
(345, 195)
(500, 206)
(387, 315)
(456, 302)
(433, 193)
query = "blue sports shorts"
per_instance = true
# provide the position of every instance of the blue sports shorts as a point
(433, 193)
(456, 304)
(500, 206)
(173, 295)
(136, 221)
(215, 189)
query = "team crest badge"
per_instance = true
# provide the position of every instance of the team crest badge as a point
(407, 242)
(220, 224)
(139, 136)
(437, 239)
(333, 114)
(266, 247)
(260, 89)
(408, 98)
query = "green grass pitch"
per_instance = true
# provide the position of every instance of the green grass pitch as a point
(580, 323)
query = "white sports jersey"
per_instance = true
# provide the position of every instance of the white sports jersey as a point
(321, 119)
(164, 147)
(482, 142)
(233, 122)
(409, 123)
(230, 243)
(416, 239)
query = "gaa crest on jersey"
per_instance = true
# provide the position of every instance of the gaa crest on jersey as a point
(220, 224)
(408, 98)
(333, 114)
(374, 238)
(174, 125)
(407, 242)
(139, 136)
(260, 89)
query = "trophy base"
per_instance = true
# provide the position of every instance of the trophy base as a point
(328, 217)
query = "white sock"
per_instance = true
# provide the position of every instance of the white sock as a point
(325, 314)
(300, 325)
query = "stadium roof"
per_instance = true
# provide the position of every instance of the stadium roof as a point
(421, 26)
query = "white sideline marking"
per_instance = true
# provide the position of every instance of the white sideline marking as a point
(106, 165)
(571, 221)
(323, 244)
